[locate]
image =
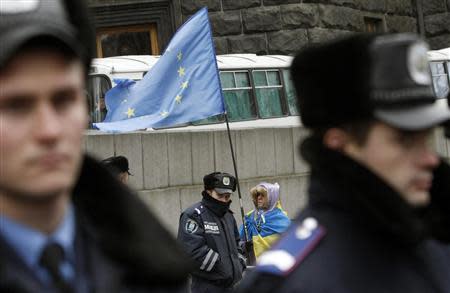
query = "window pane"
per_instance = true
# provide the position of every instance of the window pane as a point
(239, 105)
(227, 80)
(242, 79)
(260, 78)
(269, 103)
(437, 68)
(441, 86)
(290, 93)
(97, 87)
(273, 77)
(126, 43)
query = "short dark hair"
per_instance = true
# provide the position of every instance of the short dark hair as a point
(117, 164)
(358, 130)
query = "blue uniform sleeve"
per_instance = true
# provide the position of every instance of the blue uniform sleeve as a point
(191, 236)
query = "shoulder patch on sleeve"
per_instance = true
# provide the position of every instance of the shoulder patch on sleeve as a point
(299, 241)
(191, 226)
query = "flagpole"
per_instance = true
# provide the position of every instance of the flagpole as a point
(248, 244)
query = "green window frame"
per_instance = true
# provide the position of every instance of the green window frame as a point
(238, 96)
(269, 93)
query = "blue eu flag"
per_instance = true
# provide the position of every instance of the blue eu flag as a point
(183, 86)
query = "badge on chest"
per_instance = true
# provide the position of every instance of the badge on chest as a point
(211, 228)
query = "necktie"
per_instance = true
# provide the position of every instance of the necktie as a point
(51, 259)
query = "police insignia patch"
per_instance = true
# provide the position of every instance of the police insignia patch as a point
(191, 226)
(226, 181)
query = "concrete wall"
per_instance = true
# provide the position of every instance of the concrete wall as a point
(168, 166)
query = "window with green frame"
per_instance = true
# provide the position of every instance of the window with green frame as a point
(237, 93)
(268, 90)
(289, 91)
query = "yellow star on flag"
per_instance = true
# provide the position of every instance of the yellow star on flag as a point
(178, 99)
(181, 71)
(130, 112)
(179, 56)
(164, 114)
(184, 84)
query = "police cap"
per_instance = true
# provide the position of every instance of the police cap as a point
(363, 76)
(221, 182)
(65, 21)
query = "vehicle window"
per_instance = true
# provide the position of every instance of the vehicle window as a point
(268, 93)
(97, 86)
(440, 79)
(237, 94)
(289, 91)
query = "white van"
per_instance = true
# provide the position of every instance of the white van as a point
(255, 88)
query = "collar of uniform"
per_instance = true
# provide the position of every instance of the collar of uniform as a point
(340, 181)
(216, 206)
(28, 242)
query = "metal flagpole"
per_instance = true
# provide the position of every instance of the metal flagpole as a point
(248, 244)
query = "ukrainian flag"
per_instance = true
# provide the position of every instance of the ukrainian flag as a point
(264, 227)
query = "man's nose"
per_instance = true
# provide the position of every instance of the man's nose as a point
(429, 158)
(48, 124)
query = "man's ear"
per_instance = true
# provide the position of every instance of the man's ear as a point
(335, 139)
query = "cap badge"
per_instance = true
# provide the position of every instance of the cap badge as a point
(14, 6)
(226, 181)
(418, 63)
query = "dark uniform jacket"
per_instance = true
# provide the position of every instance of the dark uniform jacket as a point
(120, 246)
(208, 231)
(358, 235)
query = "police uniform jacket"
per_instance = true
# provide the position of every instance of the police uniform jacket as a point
(358, 235)
(119, 245)
(209, 234)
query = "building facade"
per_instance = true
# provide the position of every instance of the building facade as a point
(127, 27)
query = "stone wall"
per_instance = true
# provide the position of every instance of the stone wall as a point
(437, 22)
(284, 26)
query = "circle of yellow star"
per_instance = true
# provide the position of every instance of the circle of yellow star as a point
(178, 99)
(184, 84)
(181, 71)
(179, 56)
(130, 112)
(164, 114)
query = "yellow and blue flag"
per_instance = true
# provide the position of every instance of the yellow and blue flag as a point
(183, 86)
(264, 228)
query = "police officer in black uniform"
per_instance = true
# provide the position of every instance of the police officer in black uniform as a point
(378, 217)
(208, 231)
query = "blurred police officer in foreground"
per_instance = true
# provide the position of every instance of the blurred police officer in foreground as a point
(378, 217)
(209, 234)
(65, 224)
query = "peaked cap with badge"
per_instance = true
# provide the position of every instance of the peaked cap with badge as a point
(220, 182)
(386, 77)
